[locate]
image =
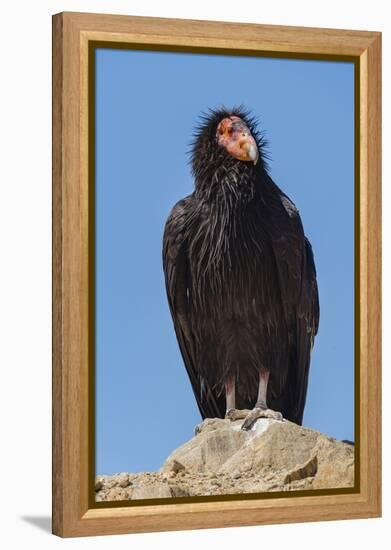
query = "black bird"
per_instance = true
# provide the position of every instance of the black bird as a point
(240, 278)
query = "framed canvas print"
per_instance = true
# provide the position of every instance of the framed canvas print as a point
(216, 274)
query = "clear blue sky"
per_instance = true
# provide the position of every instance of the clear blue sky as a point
(147, 104)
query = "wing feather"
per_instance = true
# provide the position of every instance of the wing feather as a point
(299, 294)
(177, 279)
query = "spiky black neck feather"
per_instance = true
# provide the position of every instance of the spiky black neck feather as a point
(218, 174)
(224, 213)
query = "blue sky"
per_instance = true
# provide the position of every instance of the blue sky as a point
(147, 104)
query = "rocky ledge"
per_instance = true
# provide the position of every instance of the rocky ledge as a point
(223, 459)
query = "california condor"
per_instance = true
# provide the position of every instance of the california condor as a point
(240, 279)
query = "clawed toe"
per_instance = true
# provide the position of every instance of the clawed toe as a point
(229, 413)
(274, 415)
(256, 413)
(236, 414)
(251, 418)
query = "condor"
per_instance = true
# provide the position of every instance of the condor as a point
(240, 279)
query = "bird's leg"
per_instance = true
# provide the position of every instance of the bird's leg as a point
(230, 394)
(232, 413)
(261, 409)
(230, 398)
(262, 389)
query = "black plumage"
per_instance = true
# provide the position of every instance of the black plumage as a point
(240, 279)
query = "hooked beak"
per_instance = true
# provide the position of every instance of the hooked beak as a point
(248, 148)
(253, 153)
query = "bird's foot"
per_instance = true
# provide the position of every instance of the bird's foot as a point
(259, 412)
(236, 414)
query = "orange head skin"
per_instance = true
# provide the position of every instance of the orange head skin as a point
(234, 135)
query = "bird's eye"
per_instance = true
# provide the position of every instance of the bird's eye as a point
(230, 130)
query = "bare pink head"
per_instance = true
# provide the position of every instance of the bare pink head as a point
(233, 134)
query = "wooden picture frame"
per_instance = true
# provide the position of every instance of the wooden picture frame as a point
(74, 34)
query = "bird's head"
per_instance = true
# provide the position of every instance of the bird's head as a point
(226, 138)
(234, 135)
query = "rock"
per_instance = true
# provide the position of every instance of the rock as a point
(222, 459)
(302, 471)
(177, 467)
(155, 490)
(179, 490)
(98, 484)
(123, 480)
(336, 464)
(117, 493)
(211, 424)
(209, 449)
(279, 447)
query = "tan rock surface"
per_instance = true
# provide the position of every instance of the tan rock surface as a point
(223, 459)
